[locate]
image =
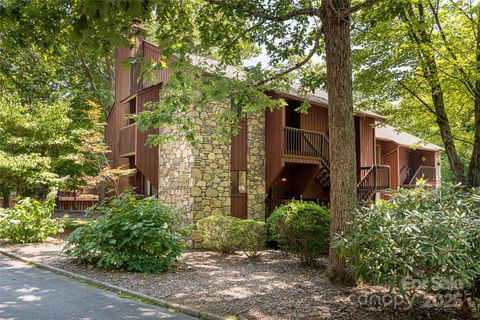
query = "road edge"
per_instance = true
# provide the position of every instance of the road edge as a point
(117, 289)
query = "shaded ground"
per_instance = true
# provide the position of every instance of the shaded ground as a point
(31, 293)
(275, 286)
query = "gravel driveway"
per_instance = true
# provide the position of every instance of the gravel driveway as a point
(275, 286)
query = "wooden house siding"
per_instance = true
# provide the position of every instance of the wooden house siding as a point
(122, 74)
(238, 152)
(417, 158)
(390, 157)
(316, 119)
(238, 162)
(274, 139)
(367, 142)
(151, 52)
(146, 157)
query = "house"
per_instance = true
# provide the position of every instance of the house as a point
(277, 156)
(409, 157)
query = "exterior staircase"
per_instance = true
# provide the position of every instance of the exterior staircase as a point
(316, 144)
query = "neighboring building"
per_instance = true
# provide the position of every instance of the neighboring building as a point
(408, 157)
(277, 156)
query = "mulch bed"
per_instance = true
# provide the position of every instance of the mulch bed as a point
(275, 286)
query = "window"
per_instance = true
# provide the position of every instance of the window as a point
(131, 108)
(239, 182)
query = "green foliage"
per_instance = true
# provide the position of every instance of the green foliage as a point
(301, 228)
(252, 235)
(229, 234)
(43, 58)
(29, 221)
(47, 144)
(390, 66)
(218, 232)
(138, 235)
(426, 237)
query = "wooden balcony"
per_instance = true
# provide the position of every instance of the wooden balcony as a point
(127, 140)
(427, 173)
(300, 144)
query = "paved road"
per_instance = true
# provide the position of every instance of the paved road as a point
(28, 293)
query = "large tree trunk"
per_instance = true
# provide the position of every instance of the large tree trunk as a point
(343, 194)
(474, 166)
(446, 132)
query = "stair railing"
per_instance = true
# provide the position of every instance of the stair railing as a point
(306, 143)
(376, 179)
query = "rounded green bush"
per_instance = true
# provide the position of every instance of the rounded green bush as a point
(302, 228)
(139, 235)
(218, 232)
(252, 235)
(229, 234)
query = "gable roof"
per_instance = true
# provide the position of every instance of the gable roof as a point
(318, 97)
(389, 133)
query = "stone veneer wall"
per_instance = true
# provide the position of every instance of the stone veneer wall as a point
(196, 179)
(256, 166)
(175, 175)
(211, 167)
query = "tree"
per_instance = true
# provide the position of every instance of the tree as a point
(269, 26)
(43, 59)
(425, 55)
(289, 32)
(43, 145)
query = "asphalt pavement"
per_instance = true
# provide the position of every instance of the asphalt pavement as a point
(30, 293)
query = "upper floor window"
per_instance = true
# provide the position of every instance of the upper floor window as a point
(130, 108)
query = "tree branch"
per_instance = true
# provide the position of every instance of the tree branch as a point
(466, 82)
(92, 81)
(416, 96)
(298, 65)
(266, 16)
(242, 34)
(355, 8)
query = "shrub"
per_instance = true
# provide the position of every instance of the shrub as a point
(138, 235)
(229, 234)
(29, 221)
(421, 239)
(252, 236)
(301, 228)
(219, 232)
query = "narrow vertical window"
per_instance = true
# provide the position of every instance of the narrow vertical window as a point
(239, 182)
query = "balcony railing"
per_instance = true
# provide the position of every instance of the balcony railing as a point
(306, 143)
(376, 178)
(127, 140)
(426, 173)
